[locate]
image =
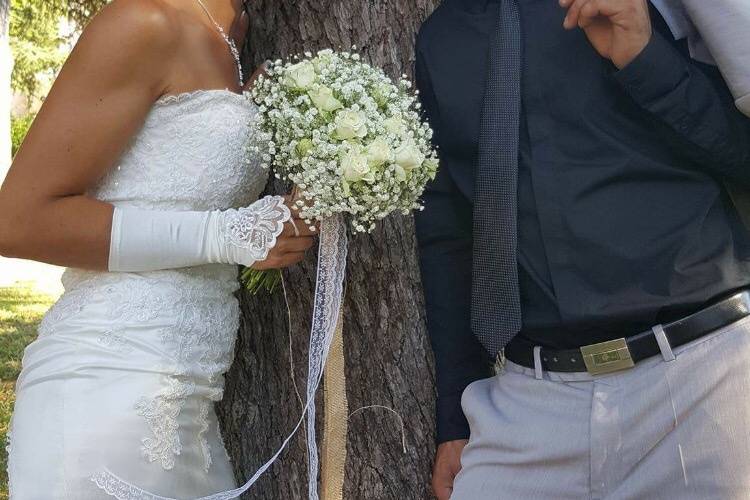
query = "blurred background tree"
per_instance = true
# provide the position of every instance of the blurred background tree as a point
(80, 11)
(37, 42)
(41, 35)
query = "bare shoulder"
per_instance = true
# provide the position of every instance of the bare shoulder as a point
(128, 42)
(145, 27)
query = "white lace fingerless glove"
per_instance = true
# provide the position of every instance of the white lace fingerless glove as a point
(151, 240)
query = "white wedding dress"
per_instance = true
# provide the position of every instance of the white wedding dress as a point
(118, 389)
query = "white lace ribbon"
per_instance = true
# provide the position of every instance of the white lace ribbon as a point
(329, 291)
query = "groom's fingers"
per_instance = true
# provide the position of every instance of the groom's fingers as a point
(442, 484)
(446, 467)
(589, 13)
(574, 10)
(581, 13)
(596, 8)
(442, 478)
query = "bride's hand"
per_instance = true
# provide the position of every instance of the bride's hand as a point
(258, 72)
(291, 245)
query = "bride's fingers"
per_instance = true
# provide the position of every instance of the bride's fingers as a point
(256, 74)
(289, 259)
(294, 225)
(288, 230)
(295, 245)
(304, 229)
(297, 228)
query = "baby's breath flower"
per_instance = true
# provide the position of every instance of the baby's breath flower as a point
(345, 134)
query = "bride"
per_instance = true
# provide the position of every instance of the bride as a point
(135, 176)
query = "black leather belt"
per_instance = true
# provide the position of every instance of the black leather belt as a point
(619, 354)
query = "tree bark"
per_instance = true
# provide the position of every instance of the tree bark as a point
(388, 359)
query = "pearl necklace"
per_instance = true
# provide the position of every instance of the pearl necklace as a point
(232, 46)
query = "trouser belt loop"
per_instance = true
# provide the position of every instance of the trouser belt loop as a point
(500, 359)
(538, 362)
(663, 341)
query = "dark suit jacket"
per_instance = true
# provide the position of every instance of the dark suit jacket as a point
(624, 221)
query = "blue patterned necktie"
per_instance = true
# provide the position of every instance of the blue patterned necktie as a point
(496, 305)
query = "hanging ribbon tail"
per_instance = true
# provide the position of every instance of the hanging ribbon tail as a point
(329, 291)
(336, 424)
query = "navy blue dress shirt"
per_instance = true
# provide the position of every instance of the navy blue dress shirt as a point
(624, 219)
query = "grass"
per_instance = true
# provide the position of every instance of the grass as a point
(21, 309)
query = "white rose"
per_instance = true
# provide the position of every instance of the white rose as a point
(379, 152)
(323, 99)
(400, 172)
(350, 125)
(323, 57)
(432, 165)
(408, 156)
(395, 125)
(355, 166)
(381, 93)
(299, 76)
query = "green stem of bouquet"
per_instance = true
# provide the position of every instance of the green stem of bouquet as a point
(256, 280)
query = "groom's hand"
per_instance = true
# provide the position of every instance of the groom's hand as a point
(447, 465)
(618, 29)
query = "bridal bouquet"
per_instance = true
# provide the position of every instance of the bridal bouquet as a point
(351, 142)
(349, 139)
(346, 136)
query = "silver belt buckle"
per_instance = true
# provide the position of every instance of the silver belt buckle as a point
(607, 357)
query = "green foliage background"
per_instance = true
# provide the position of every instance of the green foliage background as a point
(35, 39)
(35, 43)
(19, 125)
(38, 49)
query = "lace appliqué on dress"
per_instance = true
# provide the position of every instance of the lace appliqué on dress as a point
(121, 490)
(221, 440)
(198, 339)
(203, 422)
(255, 228)
(113, 339)
(161, 414)
(69, 305)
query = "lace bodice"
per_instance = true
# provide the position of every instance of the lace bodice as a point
(189, 155)
(192, 153)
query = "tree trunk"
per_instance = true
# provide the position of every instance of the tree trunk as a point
(388, 359)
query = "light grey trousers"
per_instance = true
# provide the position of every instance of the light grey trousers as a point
(676, 426)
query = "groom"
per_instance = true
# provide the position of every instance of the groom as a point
(580, 225)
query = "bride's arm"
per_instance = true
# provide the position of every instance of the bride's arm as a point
(96, 105)
(117, 71)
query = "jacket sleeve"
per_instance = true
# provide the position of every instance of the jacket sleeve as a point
(692, 108)
(724, 25)
(445, 246)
